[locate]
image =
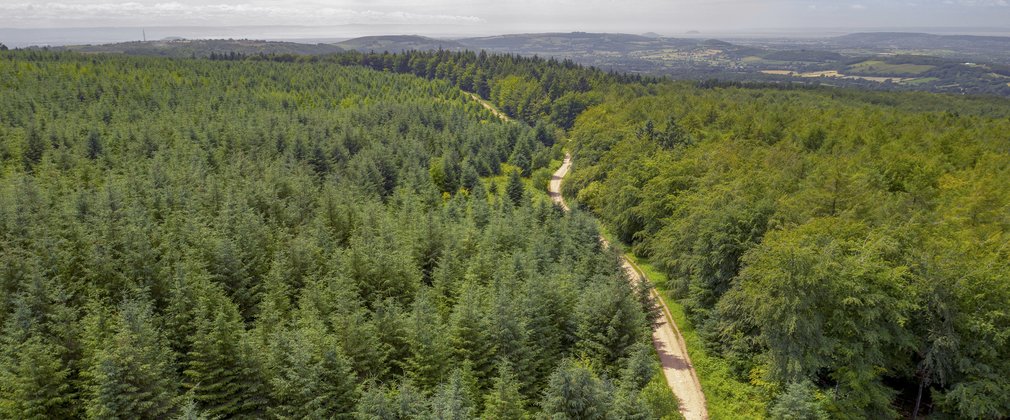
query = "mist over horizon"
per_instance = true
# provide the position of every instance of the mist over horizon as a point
(30, 22)
(28, 37)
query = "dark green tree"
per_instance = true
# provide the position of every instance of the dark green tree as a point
(35, 148)
(427, 364)
(34, 382)
(221, 370)
(574, 392)
(94, 144)
(132, 375)
(315, 379)
(798, 402)
(514, 189)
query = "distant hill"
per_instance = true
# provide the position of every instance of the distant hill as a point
(887, 61)
(396, 43)
(569, 43)
(921, 41)
(206, 47)
(963, 47)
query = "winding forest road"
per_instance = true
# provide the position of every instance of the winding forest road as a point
(666, 337)
(488, 105)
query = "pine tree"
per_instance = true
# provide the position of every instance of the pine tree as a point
(515, 189)
(94, 144)
(456, 398)
(132, 375)
(468, 328)
(429, 350)
(798, 402)
(221, 370)
(188, 410)
(640, 366)
(33, 381)
(628, 405)
(376, 403)
(575, 393)
(37, 349)
(522, 155)
(551, 323)
(609, 322)
(392, 324)
(315, 378)
(504, 401)
(35, 147)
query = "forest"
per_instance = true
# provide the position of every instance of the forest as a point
(189, 238)
(350, 236)
(844, 252)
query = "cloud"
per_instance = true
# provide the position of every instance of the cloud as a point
(228, 13)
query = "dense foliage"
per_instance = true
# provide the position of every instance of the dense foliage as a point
(846, 252)
(292, 240)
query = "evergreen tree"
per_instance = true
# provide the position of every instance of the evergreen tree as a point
(457, 397)
(522, 155)
(189, 410)
(575, 392)
(37, 348)
(376, 404)
(504, 401)
(221, 369)
(798, 402)
(429, 349)
(315, 379)
(35, 147)
(34, 382)
(609, 323)
(468, 327)
(132, 375)
(639, 366)
(514, 189)
(94, 144)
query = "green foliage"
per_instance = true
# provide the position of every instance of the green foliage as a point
(34, 381)
(504, 401)
(279, 238)
(575, 393)
(817, 235)
(131, 374)
(221, 370)
(457, 398)
(514, 189)
(798, 402)
(314, 380)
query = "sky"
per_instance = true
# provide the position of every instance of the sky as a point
(667, 17)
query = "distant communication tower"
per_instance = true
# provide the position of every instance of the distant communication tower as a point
(144, 31)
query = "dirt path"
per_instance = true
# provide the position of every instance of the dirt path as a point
(488, 105)
(677, 368)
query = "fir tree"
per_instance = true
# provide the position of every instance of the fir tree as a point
(514, 189)
(315, 379)
(457, 397)
(132, 375)
(798, 402)
(221, 370)
(504, 401)
(575, 392)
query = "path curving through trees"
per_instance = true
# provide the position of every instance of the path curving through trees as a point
(677, 368)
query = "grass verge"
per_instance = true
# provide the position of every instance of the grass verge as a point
(726, 396)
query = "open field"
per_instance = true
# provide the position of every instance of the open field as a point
(836, 75)
(880, 67)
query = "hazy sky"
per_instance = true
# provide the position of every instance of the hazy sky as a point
(492, 16)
